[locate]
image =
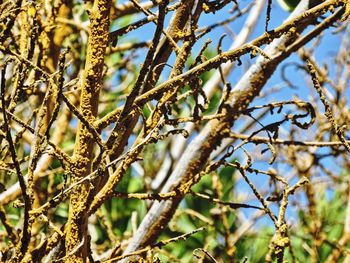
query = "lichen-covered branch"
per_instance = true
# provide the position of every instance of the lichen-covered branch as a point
(75, 231)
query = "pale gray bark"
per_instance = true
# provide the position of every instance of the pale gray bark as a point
(246, 85)
(209, 88)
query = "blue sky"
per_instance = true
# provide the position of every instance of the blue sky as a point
(324, 53)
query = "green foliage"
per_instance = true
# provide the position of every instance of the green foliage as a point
(119, 210)
(331, 214)
(255, 243)
(288, 5)
(195, 212)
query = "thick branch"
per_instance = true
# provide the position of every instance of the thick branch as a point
(197, 153)
(76, 229)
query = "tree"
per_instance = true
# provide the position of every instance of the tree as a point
(122, 149)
